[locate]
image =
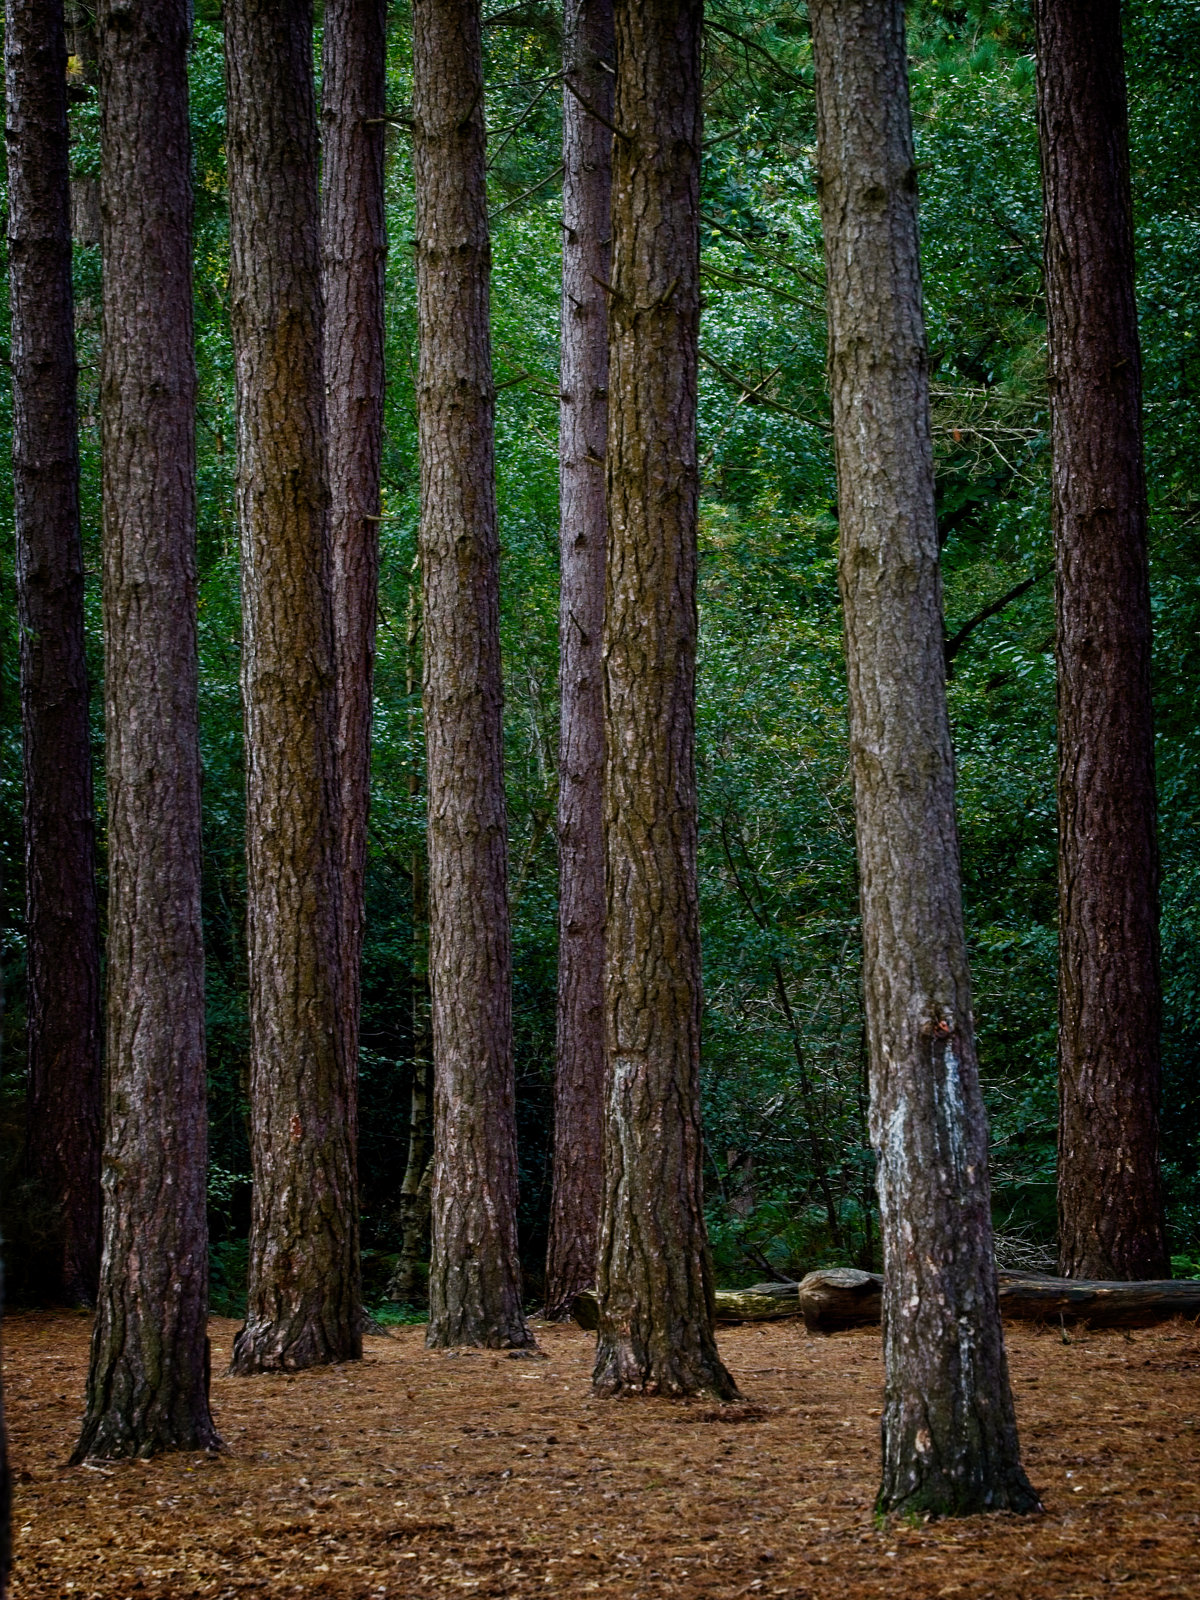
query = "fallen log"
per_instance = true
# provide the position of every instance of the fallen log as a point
(844, 1297)
(585, 1310)
(763, 1302)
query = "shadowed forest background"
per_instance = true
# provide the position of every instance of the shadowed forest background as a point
(788, 1172)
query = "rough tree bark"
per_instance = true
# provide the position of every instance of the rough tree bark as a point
(354, 242)
(61, 915)
(147, 1387)
(1110, 1201)
(949, 1433)
(474, 1278)
(588, 54)
(654, 1278)
(304, 1304)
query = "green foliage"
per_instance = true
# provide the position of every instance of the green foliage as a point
(228, 1272)
(788, 1166)
(388, 1315)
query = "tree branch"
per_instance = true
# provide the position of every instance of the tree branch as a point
(513, 126)
(532, 190)
(752, 44)
(591, 110)
(758, 283)
(753, 394)
(757, 247)
(955, 643)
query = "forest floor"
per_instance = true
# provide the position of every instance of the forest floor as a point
(424, 1474)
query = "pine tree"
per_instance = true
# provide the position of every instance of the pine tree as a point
(474, 1278)
(147, 1386)
(62, 920)
(654, 1279)
(588, 54)
(304, 1302)
(354, 245)
(949, 1430)
(1110, 1200)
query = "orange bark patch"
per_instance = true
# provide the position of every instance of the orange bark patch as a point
(418, 1473)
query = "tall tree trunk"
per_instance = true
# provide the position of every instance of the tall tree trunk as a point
(62, 940)
(354, 241)
(147, 1387)
(654, 1277)
(949, 1433)
(475, 1277)
(588, 54)
(1110, 1202)
(304, 1303)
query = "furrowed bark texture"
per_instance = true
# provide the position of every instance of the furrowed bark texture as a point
(61, 914)
(949, 1434)
(654, 1278)
(475, 1277)
(354, 241)
(1110, 1202)
(583, 425)
(147, 1387)
(304, 1305)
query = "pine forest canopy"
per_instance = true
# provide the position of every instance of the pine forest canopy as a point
(788, 1169)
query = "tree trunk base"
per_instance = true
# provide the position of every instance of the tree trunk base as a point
(628, 1367)
(130, 1418)
(262, 1346)
(941, 1493)
(482, 1339)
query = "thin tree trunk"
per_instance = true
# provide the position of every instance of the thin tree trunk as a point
(949, 1433)
(354, 241)
(1110, 1201)
(654, 1280)
(753, 901)
(82, 74)
(588, 54)
(404, 1287)
(147, 1387)
(416, 1186)
(475, 1275)
(62, 924)
(304, 1302)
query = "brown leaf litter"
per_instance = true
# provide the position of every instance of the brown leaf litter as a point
(417, 1473)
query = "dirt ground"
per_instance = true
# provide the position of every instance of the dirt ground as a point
(422, 1474)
